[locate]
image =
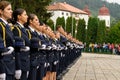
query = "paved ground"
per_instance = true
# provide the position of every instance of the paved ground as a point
(92, 66)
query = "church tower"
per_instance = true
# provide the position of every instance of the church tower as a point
(104, 15)
(86, 9)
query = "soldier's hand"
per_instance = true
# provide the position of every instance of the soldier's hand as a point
(25, 49)
(18, 74)
(48, 47)
(43, 47)
(45, 65)
(2, 76)
(10, 50)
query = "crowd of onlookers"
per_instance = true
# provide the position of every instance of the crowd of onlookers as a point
(109, 48)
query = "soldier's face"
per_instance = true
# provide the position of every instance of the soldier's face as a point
(57, 35)
(35, 22)
(6, 13)
(23, 17)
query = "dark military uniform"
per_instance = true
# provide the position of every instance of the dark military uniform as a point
(41, 72)
(34, 57)
(19, 44)
(9, 60)
(2, 49)
(24, 55)
(34, 54)
(62, 64)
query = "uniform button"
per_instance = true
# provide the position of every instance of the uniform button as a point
(36, 57)
(13, 57)
(37, 67)
(29, 56)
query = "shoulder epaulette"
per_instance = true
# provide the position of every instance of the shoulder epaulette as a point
(3, 30)
(29, 34)
(19, 31)
(12, 27)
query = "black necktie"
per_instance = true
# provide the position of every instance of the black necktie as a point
(35, 33)
(8, 27)
(24, 31)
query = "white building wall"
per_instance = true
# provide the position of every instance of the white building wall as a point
(57, 14)
(85, 17)
(106, 18)
(67, 14)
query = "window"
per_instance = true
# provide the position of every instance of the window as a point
(66, 14)
(62, 13)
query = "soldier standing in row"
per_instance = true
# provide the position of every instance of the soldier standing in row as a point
(20, 18)
(7, 35)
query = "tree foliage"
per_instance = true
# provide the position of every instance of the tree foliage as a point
(71, 25)
(81, 32)
(114, 34)
(60, 21)
(33, 6)
(100, 38)
(92, 30)
(50, 23)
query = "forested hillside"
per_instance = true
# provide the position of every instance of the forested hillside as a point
(94, 6)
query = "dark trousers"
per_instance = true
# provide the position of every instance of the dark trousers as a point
(24, 75)
(10, 77)
(32, 74)
(41, 72)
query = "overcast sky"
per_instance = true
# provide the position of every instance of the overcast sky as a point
(114, 1)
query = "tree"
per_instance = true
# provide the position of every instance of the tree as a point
(92, 30)
(50, 23)
(114, 34)
(71, 25)
(81, 32)
(60, 21)
(101, 32)
(33, 6)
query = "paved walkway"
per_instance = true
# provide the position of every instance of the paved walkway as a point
(92, 66)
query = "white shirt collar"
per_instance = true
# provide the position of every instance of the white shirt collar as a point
(4, 21)
(20, 25)
(39, 33)
(31, 28)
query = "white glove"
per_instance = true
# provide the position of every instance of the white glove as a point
(48, 64)
(61, 48)
(75, 45)
(66, 48)
(49, 47)
(58, 48)
(55, 62)
(45, 65)
(11, 49)
(81, 46)
(68, 44)
(27, 73)
(43, 47)
(25, 49)
(61, 54)
(18, 74)
(54, 47)
(2, 76)
(37, 67)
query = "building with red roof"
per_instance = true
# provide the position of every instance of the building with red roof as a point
(66, 10)
(104, 14)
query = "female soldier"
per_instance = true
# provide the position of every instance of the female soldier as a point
(34, 25)
(7, 36)
(20, 18)
(31, 24)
